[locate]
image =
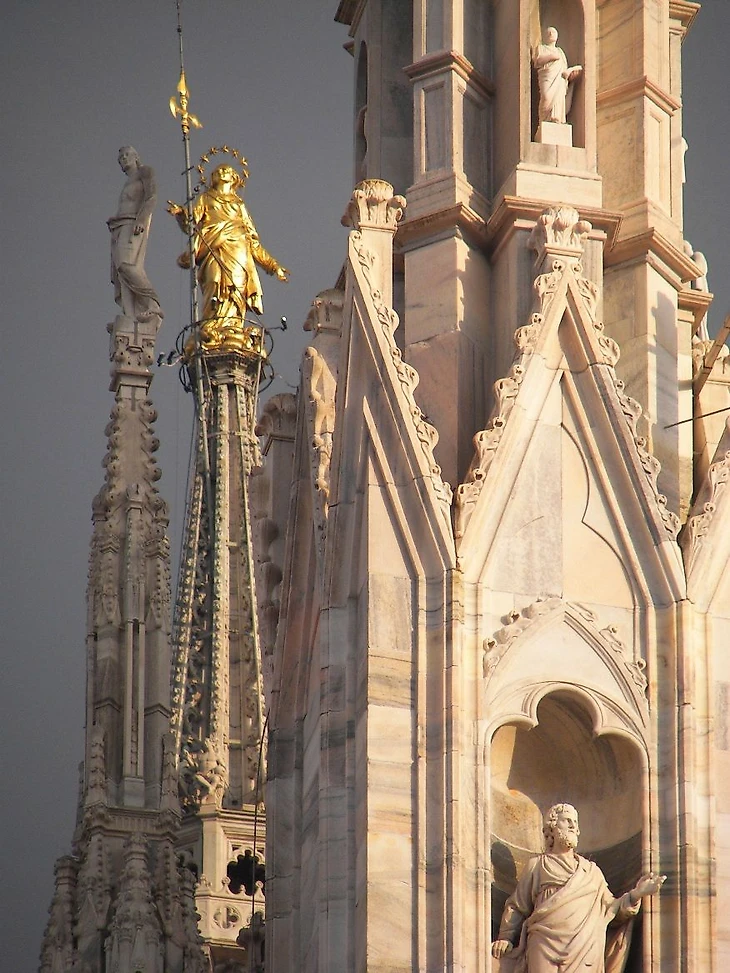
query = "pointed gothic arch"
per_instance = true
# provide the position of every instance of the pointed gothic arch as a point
(566, 720)
(561, 758)
(554, 646)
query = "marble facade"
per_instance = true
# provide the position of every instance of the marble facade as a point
(500, 573)
(492, 532)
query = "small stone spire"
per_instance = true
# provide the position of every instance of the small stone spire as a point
(218, 704)
(58, 942)
(135, 936)
(103, 917)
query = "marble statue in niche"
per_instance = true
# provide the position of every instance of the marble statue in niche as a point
(555, 79)
(557, 918)
(130, 230)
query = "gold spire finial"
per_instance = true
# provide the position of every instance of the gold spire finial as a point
(181, 109)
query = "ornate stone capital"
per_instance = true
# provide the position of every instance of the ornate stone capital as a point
(278, 419)
(559, 232)
(373, 206)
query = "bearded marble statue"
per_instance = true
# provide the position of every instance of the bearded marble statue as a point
(556, 919)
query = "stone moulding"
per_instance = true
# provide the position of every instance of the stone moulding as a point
(407, 375)
(629, 673)
(650, 464)
(558, 239)
(127, 354)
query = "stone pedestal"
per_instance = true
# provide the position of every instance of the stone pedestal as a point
(554, 133)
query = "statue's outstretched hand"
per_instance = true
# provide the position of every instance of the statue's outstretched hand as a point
(648, 885)
(501, 947)
(173, 208)
(282, 273)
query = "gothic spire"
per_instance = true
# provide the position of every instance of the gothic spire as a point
(104, 902)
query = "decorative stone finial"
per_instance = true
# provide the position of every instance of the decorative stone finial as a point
(373, 206)
(325, 313)
(559, 232)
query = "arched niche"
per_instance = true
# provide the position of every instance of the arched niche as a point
(567, 16)
(561, 759)
(361, 106)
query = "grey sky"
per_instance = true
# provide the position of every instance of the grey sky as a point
(79, 79)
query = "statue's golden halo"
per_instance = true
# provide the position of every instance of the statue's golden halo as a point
(218, 150)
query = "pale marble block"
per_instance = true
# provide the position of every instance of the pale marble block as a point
(554, 133)
(528, 551)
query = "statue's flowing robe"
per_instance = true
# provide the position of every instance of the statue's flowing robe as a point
(227, 249)
(560, 917)
(553, 86)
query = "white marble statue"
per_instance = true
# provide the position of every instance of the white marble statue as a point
(699, 284)
(555, 79)
(556, 919)
(130, 228)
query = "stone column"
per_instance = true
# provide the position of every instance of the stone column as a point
(640, 161)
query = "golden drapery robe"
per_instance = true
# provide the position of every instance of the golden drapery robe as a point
(227, 249)
(560, 917)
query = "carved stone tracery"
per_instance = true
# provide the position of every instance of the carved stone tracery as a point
(135, 936)
(319, 382)
(518, 624)
(558, 237)
(699, 524)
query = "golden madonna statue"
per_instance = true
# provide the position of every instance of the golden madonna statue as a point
(226, 250)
